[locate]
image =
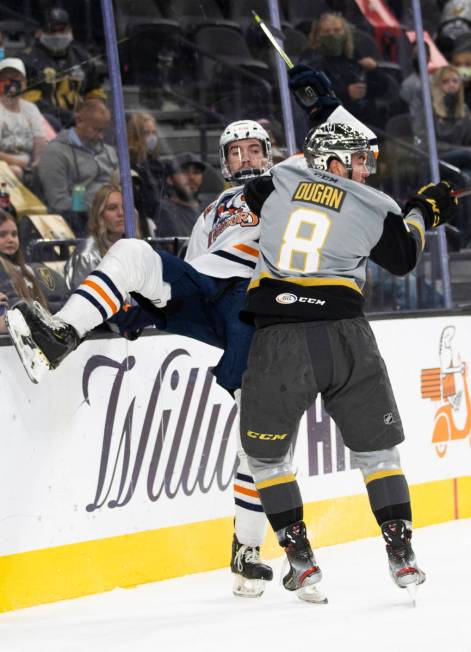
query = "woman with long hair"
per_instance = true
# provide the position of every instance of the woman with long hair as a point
(453, 131)
(17, 280)
(144, 154)
(105, 226)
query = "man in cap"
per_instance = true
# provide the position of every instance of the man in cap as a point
(59, 70)
(21, 124)
(176, 216)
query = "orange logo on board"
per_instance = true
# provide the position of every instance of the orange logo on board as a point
(448, 386)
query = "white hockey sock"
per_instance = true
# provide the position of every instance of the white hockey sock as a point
(129, 266)
(250, 520)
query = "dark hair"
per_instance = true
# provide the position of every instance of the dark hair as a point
(21, 275)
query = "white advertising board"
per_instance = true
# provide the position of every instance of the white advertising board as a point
(132, 436)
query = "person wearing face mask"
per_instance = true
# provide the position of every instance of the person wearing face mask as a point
(144, 155)
(21, 125)
(461, 59)
(453, 132)
(60, 72)
(355, 76)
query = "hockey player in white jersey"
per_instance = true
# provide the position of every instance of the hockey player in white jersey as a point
(200, 298)
(319, 225)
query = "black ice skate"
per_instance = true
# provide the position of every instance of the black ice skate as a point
(304, 573)
(41, 340)
(402, 563)
(250, 573)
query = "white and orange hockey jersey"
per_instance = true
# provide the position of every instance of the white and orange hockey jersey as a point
(224, 240)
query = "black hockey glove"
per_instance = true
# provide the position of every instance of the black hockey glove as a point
(312, 89)
(435, 202)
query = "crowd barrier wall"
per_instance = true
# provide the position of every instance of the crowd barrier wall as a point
(118, 468)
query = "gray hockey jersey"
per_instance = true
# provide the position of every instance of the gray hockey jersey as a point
(317, 232)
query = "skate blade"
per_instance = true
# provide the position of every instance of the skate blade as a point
(245, 588)
(32, 358)
(412, 591)
(312, 593)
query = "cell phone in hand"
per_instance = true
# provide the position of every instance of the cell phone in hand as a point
(3, 309)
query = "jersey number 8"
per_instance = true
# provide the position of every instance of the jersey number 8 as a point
(305, 235)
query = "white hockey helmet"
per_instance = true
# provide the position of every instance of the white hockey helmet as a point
(241, 130)
(337, 141)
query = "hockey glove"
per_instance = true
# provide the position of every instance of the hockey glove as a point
(435, 202)
(312, 89)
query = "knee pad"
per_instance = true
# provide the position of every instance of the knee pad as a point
(267, 469)
(370, 462)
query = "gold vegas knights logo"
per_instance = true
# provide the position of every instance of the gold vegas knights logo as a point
(448, 386)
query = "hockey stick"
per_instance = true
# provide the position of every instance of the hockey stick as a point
(272, 40)
(461, 192)
(308, 90)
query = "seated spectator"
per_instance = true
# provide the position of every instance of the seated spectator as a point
(411, 90)
(105, 227)
(17, 280)
(22, 135)
(177, 215)
(77, 163)
(356, 79)
(453, 132)
(61, 72)
(143, 142)
(461, 59)
(455, 21)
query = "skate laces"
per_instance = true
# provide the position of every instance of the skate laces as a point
(251, 554)
(49, 320)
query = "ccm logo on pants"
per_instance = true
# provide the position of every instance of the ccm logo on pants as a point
(265, 436)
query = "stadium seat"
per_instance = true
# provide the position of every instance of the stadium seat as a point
(230, 80)
(50, 277)
(301, 13)
(143, 62)
(195, 14)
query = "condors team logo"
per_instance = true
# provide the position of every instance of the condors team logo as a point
(448, 387)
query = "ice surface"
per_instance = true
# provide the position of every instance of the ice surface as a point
(198, 613)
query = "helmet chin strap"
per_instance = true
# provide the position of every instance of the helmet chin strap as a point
(246, 173)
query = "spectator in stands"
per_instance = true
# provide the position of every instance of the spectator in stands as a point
(453, 132)
(356, 79)
(17, 280)
(461, 59)
(22, 134)
(455, 21)
(144, 154)
(61, 73)
(177, 215)
(76, 163)
(105, 227)
(411, 90)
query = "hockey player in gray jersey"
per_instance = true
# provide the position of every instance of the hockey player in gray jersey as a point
(200, 297)
(319, 225)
